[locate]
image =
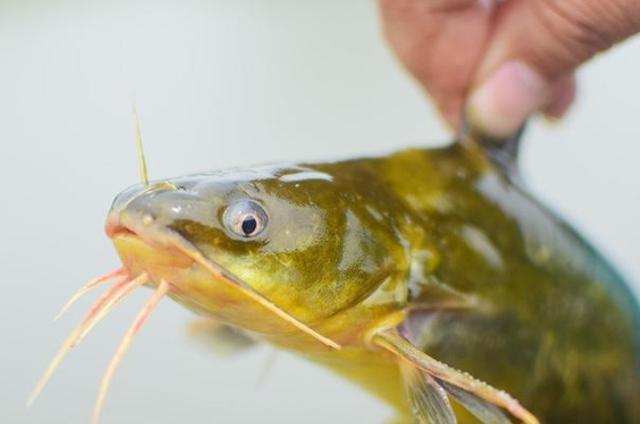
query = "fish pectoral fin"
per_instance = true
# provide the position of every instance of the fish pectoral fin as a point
(438, 296)
(481, 399)
(484, 411)
(218, 337)
(429, 401)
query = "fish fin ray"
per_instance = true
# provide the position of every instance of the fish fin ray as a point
(429, 401)
(439, 296)
(484, 411)
(391, 340)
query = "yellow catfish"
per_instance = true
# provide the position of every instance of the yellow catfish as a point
(428, 276)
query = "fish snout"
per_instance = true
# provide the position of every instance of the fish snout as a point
(139, 225)
(148, 210)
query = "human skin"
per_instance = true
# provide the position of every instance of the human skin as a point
(502, 61)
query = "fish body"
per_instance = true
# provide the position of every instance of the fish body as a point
(442, 245)
(429, 277)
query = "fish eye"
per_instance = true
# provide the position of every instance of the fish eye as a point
(245, 218)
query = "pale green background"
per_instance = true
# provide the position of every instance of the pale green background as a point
(222, 83)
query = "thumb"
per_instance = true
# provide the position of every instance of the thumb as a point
(534, 50)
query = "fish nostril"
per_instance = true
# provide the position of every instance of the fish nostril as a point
(148, 219)
(133, 194)
(162, 185)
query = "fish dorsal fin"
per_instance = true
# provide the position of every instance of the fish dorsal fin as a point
(481, 399)
(502, 152)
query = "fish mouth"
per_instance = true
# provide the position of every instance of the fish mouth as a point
(113, 225)
(148, 249)
(120, 224)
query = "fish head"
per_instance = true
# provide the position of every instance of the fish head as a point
(230, 242)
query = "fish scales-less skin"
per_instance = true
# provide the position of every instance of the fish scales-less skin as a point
(438, 241)
(556, 328)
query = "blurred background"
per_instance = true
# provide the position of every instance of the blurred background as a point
(219, 84)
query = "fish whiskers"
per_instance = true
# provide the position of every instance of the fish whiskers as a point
(122, 286)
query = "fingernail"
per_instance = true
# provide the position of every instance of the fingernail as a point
(504, 101)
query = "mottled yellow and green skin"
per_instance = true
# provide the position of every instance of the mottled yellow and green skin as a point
(438, 242)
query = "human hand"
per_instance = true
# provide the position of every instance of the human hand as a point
(503, 60)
